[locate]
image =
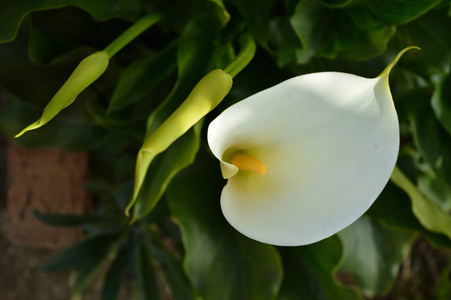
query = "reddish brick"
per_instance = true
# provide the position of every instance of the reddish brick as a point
(50, 181)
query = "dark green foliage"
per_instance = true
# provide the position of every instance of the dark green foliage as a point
(178, 236)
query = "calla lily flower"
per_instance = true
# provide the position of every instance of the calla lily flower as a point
(306, 158)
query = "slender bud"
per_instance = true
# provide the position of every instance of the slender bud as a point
(88, 71)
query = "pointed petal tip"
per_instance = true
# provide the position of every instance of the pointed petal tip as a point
(396, 59)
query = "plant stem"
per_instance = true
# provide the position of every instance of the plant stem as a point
(244, 57)
(133, 31)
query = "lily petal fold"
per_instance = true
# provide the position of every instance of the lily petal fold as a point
(329, 142)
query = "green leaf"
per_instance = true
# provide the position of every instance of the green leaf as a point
(441, 99)
(222, 56)
(41, 49)
(432, 140)
(223, 14)
(256, 14)
(132, 127)
(13, 12)
(435, 190)
(338, 36)
(369, 14)
(431, 34)
(373, 254)
(195, 49)
(86, 252)
(76, 28)
(336, 3)
(427, 212)
(83, 275)
(283, 40)
(173, 271)
(114, 276)
(393, 209)
(64, 220)
(218, 258)
(145, 284)
(356, 30)
(138, 79)
(165, 166)
(32, 83)
(183, 12)
(309, 272)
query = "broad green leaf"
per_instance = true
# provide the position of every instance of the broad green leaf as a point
(83, 275)
(13, 12)
(336, 3)
(138, 79)
(195, 49)
(436, 190)
(223, 14)
(256, 14)
(393, 209)
(173, 271)
(218, 258)
(35, 84)
(431, 138)
(429, 32)
(132, 127)
(114, 276)
(41, 49)
(441, 99)
(309, 272)
(64, 220)
(177, 157)
(76, 28)
(222, 56)
(145, 285)
(283, 40)
(204, 97)
(357, 30)
(373, 254)
(329, 40)
(369, 14)
(427, 212)
(86, 252)
(183, 12)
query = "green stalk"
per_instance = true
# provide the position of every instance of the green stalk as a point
(133, 31)
(243, 58)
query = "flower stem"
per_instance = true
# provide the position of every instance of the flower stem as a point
(244, 57)
(133, 31)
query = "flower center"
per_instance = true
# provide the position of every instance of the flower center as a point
(248, 163)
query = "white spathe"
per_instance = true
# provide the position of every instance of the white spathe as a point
(329, 141)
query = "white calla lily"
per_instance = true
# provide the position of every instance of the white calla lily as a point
(328, 143)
